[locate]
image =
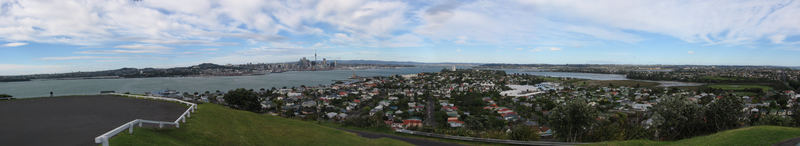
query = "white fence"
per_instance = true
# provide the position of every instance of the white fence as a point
(129, 126)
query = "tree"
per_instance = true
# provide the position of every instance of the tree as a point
(725, 113)
(678, 118)
(243, 99)
(571, 121)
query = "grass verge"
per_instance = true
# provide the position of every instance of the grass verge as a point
(217, 125)
(750, 136)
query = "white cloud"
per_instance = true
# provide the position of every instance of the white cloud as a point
(120, 51)
(15, 44)
(132, 49)
(78, 58)
(777, 39)
(458, 50)
(143, 47)
(540, 49)
(690, 52)
(98, 22)
(710, 21)
(210, 49)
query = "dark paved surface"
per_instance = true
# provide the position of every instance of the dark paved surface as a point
(75, 120)
(789, 142)
(414, 141)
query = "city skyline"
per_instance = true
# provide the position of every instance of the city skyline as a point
(66, 36)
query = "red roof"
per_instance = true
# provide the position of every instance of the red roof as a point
(411, 121)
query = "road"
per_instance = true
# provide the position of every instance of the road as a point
(414, 141)
(75, 120)
(789, 142)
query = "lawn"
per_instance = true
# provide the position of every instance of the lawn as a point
(750, 136)
(739, 87)
(217, 125)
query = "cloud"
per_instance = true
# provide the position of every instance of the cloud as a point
(120, 51)
(690, 52)
(777, 39)
(461, 40)
(78, 58)
(710, 21)
(143, 47)
(192, 22)
(458, 50)
(540, 49)
(132, 49)
(15, 44)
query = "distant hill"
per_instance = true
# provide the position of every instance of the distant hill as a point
(217, 125)
(756, 135)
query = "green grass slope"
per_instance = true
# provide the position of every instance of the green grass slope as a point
(217, 125)
(750, 136)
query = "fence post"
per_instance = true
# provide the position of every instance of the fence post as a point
(160, 125)
(177, 124)
(189, 114)
(105, 141)
(130, 128)
(140, 124)
(183, 119)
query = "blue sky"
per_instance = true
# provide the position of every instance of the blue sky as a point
(44, 36)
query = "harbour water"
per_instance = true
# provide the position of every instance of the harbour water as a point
(42, 88)
(596, 76)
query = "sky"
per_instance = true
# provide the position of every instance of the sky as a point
(53, 36)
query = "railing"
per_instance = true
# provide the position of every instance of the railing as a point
(104, 138)
(487, 140)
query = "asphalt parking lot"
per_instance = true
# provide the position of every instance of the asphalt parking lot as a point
(75, 120)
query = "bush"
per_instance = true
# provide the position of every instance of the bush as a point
(775, 120)
(364, 121)
(524, 133)
(571, 121)
(243, 99)
(5, 95)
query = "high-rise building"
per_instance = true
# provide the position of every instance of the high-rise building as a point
(324, 63)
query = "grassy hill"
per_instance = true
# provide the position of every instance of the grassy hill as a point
(218, 125)
(751, 136)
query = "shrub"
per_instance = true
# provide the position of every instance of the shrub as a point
(243, 99)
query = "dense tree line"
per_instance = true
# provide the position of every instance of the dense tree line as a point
(673, 118)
